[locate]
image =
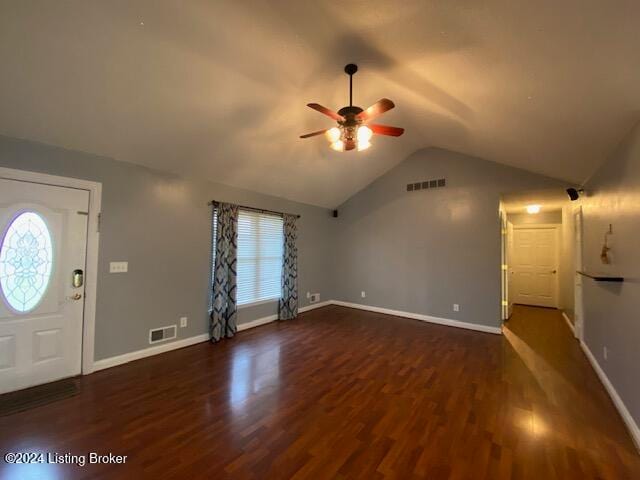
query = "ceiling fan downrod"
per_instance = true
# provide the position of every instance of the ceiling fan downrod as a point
(350, 69)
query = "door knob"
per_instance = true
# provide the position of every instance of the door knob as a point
(77, 296)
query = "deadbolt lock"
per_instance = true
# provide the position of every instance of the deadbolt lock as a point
(78, 278)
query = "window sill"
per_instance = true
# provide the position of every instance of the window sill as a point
(259, 302)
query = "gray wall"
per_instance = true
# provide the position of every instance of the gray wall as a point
(568, 262)
(160, 224)
(611, 311)
(423, 251)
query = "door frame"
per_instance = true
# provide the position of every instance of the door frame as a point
(509, 254)
(93, 244)
(578, 291)
(505, 311)
(557, 229)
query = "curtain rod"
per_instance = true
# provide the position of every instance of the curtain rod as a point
(261, 210)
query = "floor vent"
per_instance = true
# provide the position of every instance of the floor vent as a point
(163, 333)
(427, 184)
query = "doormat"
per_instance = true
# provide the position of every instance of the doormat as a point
(28, 398)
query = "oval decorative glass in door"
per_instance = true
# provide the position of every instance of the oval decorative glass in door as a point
(26, 261)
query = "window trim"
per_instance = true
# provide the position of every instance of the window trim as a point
(258, 302)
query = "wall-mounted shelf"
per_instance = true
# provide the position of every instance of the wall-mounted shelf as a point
(602, 278)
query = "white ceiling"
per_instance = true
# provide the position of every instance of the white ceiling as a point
(217, 89)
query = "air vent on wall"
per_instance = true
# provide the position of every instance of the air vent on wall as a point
(434, 183)
(163, 333)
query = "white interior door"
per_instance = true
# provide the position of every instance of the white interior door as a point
(43, 238)
(534, 266)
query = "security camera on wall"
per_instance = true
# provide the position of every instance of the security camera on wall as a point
(574, 194)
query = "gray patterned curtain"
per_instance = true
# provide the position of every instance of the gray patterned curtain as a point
(288, 305)
(223, 302)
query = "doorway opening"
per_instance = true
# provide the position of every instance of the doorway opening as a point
(541, 251)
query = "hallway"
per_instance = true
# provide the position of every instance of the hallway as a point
(560, 398)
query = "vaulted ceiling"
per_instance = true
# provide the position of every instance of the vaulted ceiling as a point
(217, 89)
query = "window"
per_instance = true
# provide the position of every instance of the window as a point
(260, 250)
(26, 261)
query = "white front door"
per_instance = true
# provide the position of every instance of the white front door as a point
(534, 266)
(43, 238)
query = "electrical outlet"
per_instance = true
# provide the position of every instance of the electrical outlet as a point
(308, 295)
(605, 352)
(183, 321)
(456, 307)
(118, 267)
(363, 294)
(314, 298)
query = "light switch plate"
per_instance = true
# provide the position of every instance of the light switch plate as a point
(118, 267)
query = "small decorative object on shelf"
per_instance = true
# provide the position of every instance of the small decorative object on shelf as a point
(601, 277)
(604, 254)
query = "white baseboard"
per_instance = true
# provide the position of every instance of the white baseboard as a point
(166, 347)
(313, 306)
(148, 352)
(424, 318)
(186, 342)
(257, 323)
(568, 320)
(274, 317)
(617, 401)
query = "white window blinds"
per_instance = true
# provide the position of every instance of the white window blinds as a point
(260, 250)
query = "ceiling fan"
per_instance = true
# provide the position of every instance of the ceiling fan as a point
(354, 130)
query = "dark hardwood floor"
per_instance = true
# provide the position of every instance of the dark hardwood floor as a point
(342, 393)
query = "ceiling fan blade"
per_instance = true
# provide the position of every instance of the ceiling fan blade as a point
(375, 110)
(386, 130)
(313, 134)
(326, 111)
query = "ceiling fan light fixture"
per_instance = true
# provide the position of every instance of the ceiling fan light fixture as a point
(364, 134)
(354, 130)
(334, 134)
(338, 146)
(363, 145)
